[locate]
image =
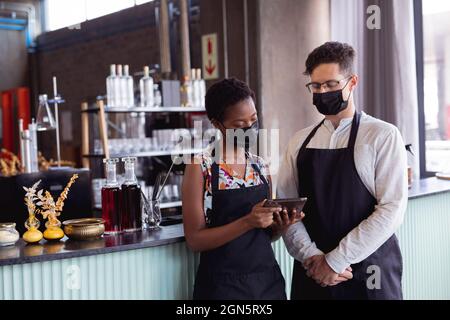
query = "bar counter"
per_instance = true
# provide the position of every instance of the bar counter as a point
(66, 248)
(158, 265)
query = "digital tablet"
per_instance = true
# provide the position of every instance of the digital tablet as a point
(289, 204)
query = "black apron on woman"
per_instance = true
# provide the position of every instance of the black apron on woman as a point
(245, 268)
(338, 202)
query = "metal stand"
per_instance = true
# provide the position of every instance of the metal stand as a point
(56, 101)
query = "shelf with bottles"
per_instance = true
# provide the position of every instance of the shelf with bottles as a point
(146, 126)
(164, 96)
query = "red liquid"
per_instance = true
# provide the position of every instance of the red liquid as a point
(131, 208)
(111, 209)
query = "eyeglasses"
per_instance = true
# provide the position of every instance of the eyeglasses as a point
(329, 85)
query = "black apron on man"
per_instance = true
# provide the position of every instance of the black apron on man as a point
(245, 268)
(338, 201)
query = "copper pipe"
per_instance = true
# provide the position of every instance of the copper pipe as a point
(184, 31)
(85, 135)
(225, 37)
(164, 39)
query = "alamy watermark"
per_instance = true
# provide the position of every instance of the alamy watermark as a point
(73, 277)
(374, 20)
(373, 282)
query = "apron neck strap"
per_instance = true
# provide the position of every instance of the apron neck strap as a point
(354, 131)
(310, 136)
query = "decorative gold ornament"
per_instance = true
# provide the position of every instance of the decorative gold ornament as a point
(32, 224)
(51, 210)
(9, 163)
(45, 164)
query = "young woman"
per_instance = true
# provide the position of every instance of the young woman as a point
(223, 207)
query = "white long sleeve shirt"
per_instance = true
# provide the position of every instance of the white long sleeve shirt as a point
(381, 162)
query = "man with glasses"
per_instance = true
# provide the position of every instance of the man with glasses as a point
(352, 168)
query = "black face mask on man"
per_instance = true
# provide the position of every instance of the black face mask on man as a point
(330, 103)
(248, 139)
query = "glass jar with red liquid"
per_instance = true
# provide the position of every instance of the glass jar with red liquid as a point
(111, 198)
(131, 198)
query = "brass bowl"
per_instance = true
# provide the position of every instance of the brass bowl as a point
(84, 229)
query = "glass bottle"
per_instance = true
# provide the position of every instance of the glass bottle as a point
(110, 86)
(195, 88)
(129, 87)
(119, 87)
(111, 198)
(32, 127)
(146, 87)
(202, 85)
(131, 198)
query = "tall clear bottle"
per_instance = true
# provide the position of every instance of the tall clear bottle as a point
(131, 198)
(32, 127)
(111, 198)
(195, 88)
(129, 87)
(119, 87)
(110, 86)
(202, 85)
(146, 87)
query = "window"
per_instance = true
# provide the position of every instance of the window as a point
(66, 13)
(98, 8)
(434, 26)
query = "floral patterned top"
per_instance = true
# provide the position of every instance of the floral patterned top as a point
(226, 179)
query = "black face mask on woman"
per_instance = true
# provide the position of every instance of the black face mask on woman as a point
(250, 136)
(330, 103)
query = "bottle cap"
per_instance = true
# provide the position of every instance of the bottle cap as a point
(119, 69)
(110, 160)
(146, 71)
(129, 159)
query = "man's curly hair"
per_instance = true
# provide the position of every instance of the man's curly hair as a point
(331, 52)
(224, 94)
